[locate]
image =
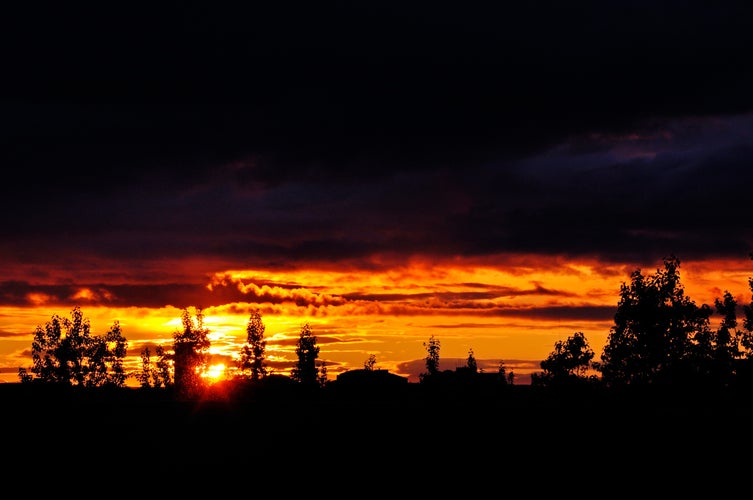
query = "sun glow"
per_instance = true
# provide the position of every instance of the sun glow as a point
(215, 373)
(511, 310)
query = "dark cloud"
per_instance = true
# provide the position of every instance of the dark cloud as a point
(14, 293)
(181, 295)
(565, 313)
(458, 299)
(293, 132)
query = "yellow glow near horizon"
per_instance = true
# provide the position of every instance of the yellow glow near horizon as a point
(507, 312)
(215, 372)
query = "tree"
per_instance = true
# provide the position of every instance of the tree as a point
(471, 363)
(370, 363)
(152, 375)
(658, 335)
(162, 376)
(253, 352)
(65, 352)
(190, 354)
(322, 377)
(726, 346)
(502, 372)
(144, 377)
(432, 358)
(569, 362)
(305, 370)
(747, 336)
(106, 355)
(744, 366)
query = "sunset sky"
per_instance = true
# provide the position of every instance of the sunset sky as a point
(384, 171)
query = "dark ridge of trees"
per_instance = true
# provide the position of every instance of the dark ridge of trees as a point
(661, 337)
(65, 352)
(447, 420)
(661, 342)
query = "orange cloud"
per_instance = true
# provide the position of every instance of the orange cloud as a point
(516, 312)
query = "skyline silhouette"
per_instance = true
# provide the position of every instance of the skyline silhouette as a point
(489, 174)
(651, 305)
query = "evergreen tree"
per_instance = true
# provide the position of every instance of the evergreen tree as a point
(305, 370)
(144, 377)
(253, 353)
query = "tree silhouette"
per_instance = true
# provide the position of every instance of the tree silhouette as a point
(431, 360)
(305, 370)
(727, 344)
(744, 365)
(65, 352)
(321, 379)
(162, 376)
(747, 338)
(502, 372)
(190, 351)
(568, 363)
(471, 363)
(144, 376)
(253, 355)
(155, 375)
(659, 335)
(105, 358)
(370, 363)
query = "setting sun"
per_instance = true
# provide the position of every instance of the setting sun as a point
(384, 247)
(215, 373)
(382, 200)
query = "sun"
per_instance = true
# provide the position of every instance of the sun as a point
(215, 373)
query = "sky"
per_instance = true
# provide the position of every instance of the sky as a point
(486, 173)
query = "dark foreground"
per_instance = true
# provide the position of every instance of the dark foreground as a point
(372, 443)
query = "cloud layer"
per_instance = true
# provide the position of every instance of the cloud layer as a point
(273, 135)
(148, 154)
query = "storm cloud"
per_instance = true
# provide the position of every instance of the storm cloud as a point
(289, 134)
